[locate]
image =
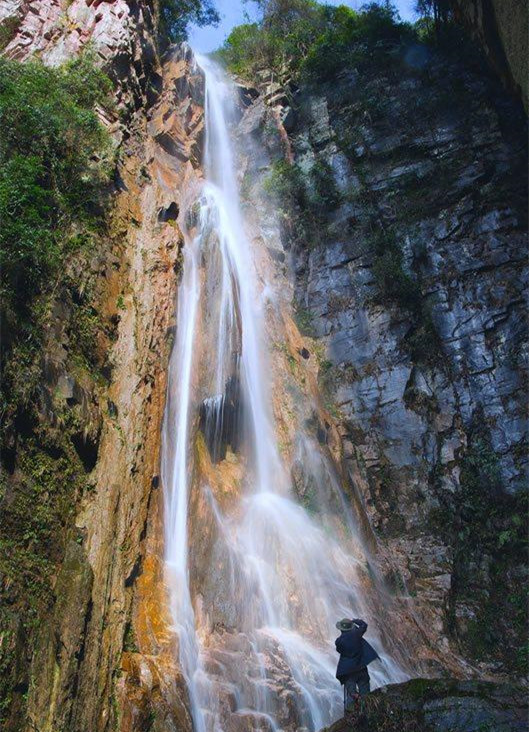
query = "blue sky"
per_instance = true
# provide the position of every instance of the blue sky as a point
(232, 13)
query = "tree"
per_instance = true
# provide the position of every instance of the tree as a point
(439, 10)
(175, 16)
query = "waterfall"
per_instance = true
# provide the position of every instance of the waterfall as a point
(256, 581)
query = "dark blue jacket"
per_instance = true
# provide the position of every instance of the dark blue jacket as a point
(355, 652)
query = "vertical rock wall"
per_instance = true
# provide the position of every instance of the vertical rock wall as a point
(427, 155)
(501, 28)
(104, 636)
(409, 253)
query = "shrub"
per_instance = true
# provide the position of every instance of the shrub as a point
(54, 157)
(351, 37)
(304, 199)
(245, 42)
(393, 282)
(279, 41)
(306, 38)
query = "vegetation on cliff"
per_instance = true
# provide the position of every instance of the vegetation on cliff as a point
(489, 525)
(54, 161)
(55, 164)
(307, 39)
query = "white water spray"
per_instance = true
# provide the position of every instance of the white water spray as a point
(255, 632)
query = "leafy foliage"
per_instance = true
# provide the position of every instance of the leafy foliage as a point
(304, 199)
(278, 42)
(175, 15)
(309, 39)
(54, 157)
(55, 160)
(352, 38)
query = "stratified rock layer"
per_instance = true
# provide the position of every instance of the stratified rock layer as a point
(410, 264)
(104, 657)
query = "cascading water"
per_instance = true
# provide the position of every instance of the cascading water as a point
(256, 583)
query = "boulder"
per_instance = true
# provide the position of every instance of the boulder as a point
(440, 705)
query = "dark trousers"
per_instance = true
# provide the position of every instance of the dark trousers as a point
(356, 683)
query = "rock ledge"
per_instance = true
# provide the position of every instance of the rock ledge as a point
(442, 705)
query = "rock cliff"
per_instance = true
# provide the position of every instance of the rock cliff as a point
(405, 220)
(123, 35)
(82, 642)
(406, 248)
(501, 28)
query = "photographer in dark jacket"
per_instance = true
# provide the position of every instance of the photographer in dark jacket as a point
(355, 655)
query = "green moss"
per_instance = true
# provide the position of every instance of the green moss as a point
(309, 501)
(304, 199)
(38, 505)
(326, 377)
(129, 641)
(303, 319)
(419, 688)
(85, 325)
(488, 522)
(35, 521)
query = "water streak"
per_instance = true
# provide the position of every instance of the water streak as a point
(255, 621)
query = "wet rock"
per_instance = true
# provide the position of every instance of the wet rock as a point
(78, 679)
(61, 644)
(448, 201)
(431, 705)
(168, 213)
(221, 420)
(254, 118)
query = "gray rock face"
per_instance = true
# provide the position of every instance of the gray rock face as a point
(122, 35)
(473, 274)
(437, 165)
(435, 705)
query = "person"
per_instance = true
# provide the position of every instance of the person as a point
(355, 655)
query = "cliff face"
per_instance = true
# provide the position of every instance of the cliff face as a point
(83, 454)
(407, 254)
(501, 29)
(408, 248)
(123, 35)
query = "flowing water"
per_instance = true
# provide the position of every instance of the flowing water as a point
(256, 580)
